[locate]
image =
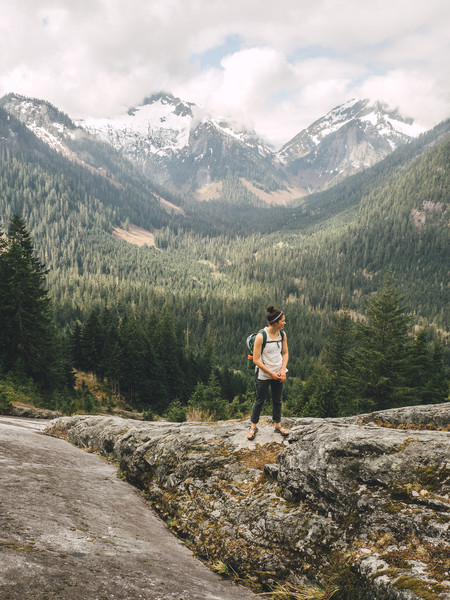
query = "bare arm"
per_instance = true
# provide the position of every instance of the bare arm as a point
(257, 357)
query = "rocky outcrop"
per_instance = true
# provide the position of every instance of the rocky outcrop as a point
(31, 412)
(358, 507)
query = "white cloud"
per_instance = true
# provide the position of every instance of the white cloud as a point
(297, 58)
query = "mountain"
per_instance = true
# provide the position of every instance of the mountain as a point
(350, 138)
(60, 133)
(183, 147)
(180, 146)
(73, 189)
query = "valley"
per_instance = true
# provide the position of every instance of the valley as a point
(114, 239)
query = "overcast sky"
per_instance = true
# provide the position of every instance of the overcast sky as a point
(275, 64)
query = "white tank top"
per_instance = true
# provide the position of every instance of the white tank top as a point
(271, 356)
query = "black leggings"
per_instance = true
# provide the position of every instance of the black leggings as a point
(262, 387)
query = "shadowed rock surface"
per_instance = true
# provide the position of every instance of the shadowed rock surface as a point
(362, 500)
(70, 529)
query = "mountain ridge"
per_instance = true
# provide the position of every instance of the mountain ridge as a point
(183, 147)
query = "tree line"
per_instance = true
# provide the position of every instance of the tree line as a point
(160, 367)
(376, 362)
(143, 357)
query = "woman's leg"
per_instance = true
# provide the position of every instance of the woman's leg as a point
(277, 390)
(261, 385)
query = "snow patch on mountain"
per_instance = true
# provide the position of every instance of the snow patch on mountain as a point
(158, 127)
(163, 126)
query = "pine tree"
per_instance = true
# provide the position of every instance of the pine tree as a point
(75, 346)
(28, 330)
(382, 358)
(420, 367)
(92, 344)
(335, 357)
(438, 383)
(170, 355)
(319, 394)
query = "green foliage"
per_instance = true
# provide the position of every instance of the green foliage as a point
(383, 353)
(176, 412)
(148, 415)
(28, 335)
(207, 399)
(374, 363)
(18, 388)
(5, 404)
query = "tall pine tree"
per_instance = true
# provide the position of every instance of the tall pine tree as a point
(27, 328)
(382, 358)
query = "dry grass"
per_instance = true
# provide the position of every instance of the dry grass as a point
(289, 591)
(57, 431)
(195, 415)
(259, 457)
(406, 426)
(135, 235)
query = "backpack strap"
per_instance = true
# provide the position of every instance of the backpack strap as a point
(264, 334)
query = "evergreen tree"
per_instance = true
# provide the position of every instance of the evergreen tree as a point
(207, 399)
(382, 358)
(335, 357)
(92, 344)
(28, 331)
(438, 382)
(170, 355)
(319, 394)
(420, 367)
(75, 346)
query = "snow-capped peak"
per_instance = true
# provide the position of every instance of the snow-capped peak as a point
(363, 113)
(162, 126)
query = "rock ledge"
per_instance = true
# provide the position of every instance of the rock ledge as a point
(359, 502)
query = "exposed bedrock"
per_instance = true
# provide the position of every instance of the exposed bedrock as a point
(363, 500)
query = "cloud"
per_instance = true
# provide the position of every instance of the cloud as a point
(279, 65)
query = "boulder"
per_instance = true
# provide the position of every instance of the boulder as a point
(342, 504)
(31, 412)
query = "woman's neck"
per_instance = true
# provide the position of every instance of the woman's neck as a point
(272, 330)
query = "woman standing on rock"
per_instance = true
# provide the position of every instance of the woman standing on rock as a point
(270, 356)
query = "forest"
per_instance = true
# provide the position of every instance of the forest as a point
(163, 327)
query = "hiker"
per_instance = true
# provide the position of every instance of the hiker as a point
(270, 356)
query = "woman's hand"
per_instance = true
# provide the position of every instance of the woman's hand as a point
(280, 376)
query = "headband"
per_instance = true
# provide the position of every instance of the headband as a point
(277, 317)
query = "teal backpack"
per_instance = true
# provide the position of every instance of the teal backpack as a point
(251, 343)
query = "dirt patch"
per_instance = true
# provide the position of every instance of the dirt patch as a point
(171, 208)
(135, 235)
(211, 191)
(280, 197)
